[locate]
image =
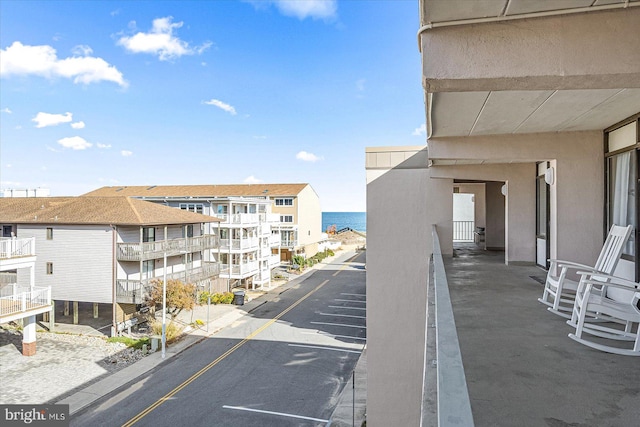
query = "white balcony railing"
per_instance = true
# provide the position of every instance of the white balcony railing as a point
(37, 298)
(275, 240)
(463, 231)
(135, 291)
(15, 248)
(155, 250)
(239, 244)
(288, 243)
(274, 261)
(239, 271)
(239, 219)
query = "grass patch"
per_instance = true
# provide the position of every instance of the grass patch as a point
(130, 342)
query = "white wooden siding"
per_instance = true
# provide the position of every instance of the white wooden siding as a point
(81, 257)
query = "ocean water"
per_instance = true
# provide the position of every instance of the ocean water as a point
(354, 220)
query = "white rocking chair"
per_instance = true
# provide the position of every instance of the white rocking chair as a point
(615, 301)
(560, 289)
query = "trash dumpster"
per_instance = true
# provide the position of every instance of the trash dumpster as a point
(238, 297)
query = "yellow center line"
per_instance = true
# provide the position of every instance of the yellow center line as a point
(345, 265)
(191, 379)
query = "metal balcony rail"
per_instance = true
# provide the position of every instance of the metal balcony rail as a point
(463, 231)
(35, 298)
(136, 291)
(274, 261)
(154, 250)
(14, 248)
(288, 243)
(453, 405)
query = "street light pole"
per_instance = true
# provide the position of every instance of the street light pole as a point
(164, 305)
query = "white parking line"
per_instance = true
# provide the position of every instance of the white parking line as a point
(338, 324)
(355, 295)
(350, 300)
(282, 414)
(325, 348)
(347, 308)
(334, 335)
(343, 315)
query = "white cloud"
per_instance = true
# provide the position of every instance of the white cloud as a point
(46, 119)
(19, 59)
(360, 84)
(307, 157)
(103, 145)
(126, 153)
(161, 41)
(301, 9)
(252, 180)
(75, 143)
(422, 130)
(78, 125)
(222, 105)
(82, 50)
(7, 110)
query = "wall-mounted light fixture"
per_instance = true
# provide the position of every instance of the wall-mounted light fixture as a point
(549, 176)
(503, 190)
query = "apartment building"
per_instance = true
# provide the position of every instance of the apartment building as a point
(290, 211)
(538, 104)
(107, 250)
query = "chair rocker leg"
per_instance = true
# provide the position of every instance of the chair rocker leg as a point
(605, 348)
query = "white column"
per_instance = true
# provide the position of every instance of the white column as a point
(29, 336)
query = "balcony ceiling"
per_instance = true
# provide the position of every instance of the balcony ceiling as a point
(527, 111)
(435, 11)
(509, 112)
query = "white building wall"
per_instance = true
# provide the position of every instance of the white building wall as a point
(81, 257)
(309, 216)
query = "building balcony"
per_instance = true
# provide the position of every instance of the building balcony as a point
(132, 291)
(288, 244)
(241, 219)
(518, 362)
(239, 271)
(251, 243)
(274, 261)
(15, 253)
(25, 303)
(275, 240)
(155, 250)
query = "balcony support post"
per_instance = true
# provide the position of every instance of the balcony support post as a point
(52, 316)
(95, 310)
(75, 312)
(29, 336)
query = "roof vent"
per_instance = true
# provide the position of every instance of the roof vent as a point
(152, 187)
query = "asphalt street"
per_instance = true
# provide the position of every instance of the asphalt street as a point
(284, 365)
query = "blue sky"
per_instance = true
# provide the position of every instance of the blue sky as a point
(97, 93)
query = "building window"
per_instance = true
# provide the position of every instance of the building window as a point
(148, 268)
(187, 230)
(49, 233)
(286, 218)
(49, 268)
(622, 174)
(284, 202)
(149, 234)
(192, 207)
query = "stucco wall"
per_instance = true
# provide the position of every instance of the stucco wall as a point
(577, 195)
(398, 245)
(495, 233)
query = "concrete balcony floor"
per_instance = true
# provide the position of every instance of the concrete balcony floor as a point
(520, 365)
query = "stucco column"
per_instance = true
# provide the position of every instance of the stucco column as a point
(29, 336)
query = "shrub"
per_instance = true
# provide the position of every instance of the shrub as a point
(216, 298)
(173, 330)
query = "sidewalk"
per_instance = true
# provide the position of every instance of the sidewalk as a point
(90, 394)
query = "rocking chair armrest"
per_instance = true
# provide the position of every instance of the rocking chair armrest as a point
(573, 265)
(614, 281)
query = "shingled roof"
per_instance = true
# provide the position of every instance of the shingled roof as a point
(94, 210)
(231, 190)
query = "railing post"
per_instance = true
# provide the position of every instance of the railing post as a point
(24, 301)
